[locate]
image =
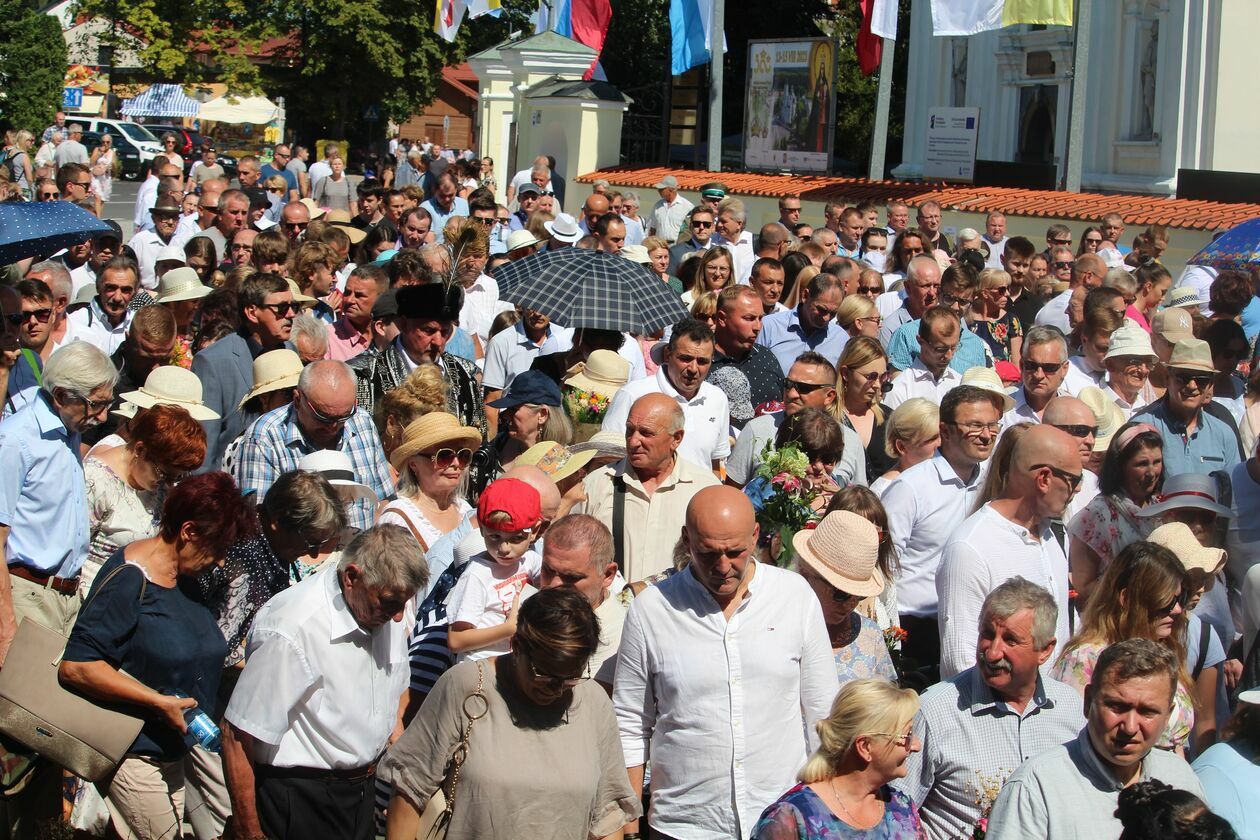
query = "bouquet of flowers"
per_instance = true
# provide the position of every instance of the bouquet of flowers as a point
(782, 498)
(586, 409)
(985, 791)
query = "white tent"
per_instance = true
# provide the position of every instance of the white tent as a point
(258, 110)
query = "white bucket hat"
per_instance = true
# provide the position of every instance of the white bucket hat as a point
(337, 467)
(171, 253)
(636, 253)
(521, 239)
(181, 283)
(1131, 340)
(172, 385)
(988, 380)
(564, 227)
(1182, 296)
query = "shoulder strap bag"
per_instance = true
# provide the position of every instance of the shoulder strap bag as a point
(435, 820)
(619, 523)
(87, 737)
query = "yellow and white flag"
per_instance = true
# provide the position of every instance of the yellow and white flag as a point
(447, 17)
(967, 17)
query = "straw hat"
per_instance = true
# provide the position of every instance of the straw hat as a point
(172, 385)
(556, 460)
(1182, 296)
(298, 296)
(843, 550)
(521, 239)
(1108, 415)
(273, 371)
(317, 212)
(1192, 354)
(337, 467)
(181, 284)
(1187, 490)
(636, 253)
(343, 220)
(988, 380)
(604, 445)
(1131, 340)
(431, 430)
(1181, 541)
(603, 372)
(564, 227)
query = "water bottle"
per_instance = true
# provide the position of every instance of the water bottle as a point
(201, 727)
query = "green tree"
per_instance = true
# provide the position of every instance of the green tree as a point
(32, 66)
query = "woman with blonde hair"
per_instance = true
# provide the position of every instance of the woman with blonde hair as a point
(1148, 589)
(844, 790)
(432, 462)
(793, 294)
(658, 252)
(422, 392)
(861, 377)
(859, 316)
(911, 435)
(715, 272)
(992, 320)
(704, 308)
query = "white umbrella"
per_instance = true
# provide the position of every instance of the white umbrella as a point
(258, 110)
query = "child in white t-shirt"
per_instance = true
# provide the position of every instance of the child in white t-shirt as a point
(483, 605)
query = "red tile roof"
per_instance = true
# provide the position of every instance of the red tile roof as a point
(1137, 210)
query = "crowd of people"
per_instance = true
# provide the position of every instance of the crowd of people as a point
(285, 455)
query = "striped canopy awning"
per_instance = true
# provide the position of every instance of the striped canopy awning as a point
(162, 101)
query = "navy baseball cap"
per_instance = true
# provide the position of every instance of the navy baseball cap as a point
(533, 387)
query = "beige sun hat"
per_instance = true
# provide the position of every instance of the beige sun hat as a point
(317, 212)
(1131, 340)
(521, 239)
(343, 220)
(172, 385)
(1106, 413)
(181, 283)
(1181, 541)
(171, 253)
(636, 253)
(437, 428)
(604, 445)
(1182, 296)
(298, 295)
(1192, 354)
(274, 370)
(988, 380)
(556, 460)
(604, 372)
(843, 550)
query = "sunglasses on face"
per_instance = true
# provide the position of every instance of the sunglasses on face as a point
(1060, 241)
(1200, 380)
(42, 315)
(326, 419)
(1062, 264)
(280, 309)
(702, 225)
(870, 290)
(1073, 479)
(485, 221)
(553, 681)
(1077, 430)
(1093, 241)
(803, 388)
(1167, 609)
(446, 456)
(1048, 368)
(50, 196)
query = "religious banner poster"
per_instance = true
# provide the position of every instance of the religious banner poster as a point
(789, 114)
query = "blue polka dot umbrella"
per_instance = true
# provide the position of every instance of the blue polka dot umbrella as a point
(578, 287)
(34, 229)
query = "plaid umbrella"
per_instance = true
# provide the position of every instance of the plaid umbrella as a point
(32, 229)
(578, 287)
(1237, 249)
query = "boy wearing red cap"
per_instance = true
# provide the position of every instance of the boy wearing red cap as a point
(483, 605)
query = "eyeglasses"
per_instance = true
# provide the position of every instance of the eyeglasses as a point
(1047, 368)
(973, 429)
(504, 219)
(83, 184)
(296, 225)
(17, 319)
(803, 388)
(557, 682)
(1062, 264)
(877, 319)
(1073, 479)
(1077, 430)
(487, 221)
(1067, 241)
(446, 456)
(280, 309)
(952, 300)
(869, 377)
(1002, 290)
(902, 741)
(702, 225)
(1180, 601)
(325, 419)
(276, 190)
(870, 290)
(1136, 361)
(50, 196)
(941, 349)
(1092, 241)
(94, 406)
(1200, 380)
(167, 475)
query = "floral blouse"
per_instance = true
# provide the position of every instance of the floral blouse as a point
(801, 814)
(1076, 668)
(118, 514)
(866, 657)
(998, 334)
(1109, 523)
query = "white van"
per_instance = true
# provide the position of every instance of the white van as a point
(135, 133)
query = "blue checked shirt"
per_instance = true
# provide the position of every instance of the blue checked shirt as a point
(903, 349)
(783, 334)
(273, 444)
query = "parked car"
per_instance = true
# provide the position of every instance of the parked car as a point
(135, 133)
(127, 152)
(189, 144)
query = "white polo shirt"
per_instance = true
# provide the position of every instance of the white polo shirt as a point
(481, 305)
(918, 381)
(1080, 376)
(707, 416)
(667, 219)
(510, 353)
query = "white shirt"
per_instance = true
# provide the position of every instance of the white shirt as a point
(742, 254)
(707, 416)
(1021, 413)
(925, 504)
(986, 550)
(918, 381)
(667, 219)
(319, 691)
(1080, 376)
(510, 353)
(187, 228)
(724, 710)
(145, 199)
(147, 245)
(1054, 313)
(995, 250)
(1124, 405)
(484, 595)
(80, 276)
(91, 325)
(317, 171)
(481, 305)
(1084, 495)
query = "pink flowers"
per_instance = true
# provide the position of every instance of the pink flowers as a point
(786, 482)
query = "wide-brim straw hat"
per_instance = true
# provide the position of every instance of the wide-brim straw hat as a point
(1131, 340)
(1187, 490)
(556, 460)
(298, 295)
(987, 379)
(343, 220)
(273, 371)
(521, 239)
(843, 550)
(604, 372)
(1192, 354)
(181, 284)
(1181, 541)
(1106, 413)
(434, 429)
(336, 466)
(172, 385)
(604, 445)
(317, 212)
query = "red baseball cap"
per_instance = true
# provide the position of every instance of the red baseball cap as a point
(513, 497)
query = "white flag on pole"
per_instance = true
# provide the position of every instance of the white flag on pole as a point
(965, 17)
(884, 19)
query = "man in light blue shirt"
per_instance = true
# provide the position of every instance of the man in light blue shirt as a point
(43, 500)
(445, 203)
(810, 326)
(959, 287)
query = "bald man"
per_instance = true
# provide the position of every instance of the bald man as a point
(723, 671)
(207, 212)
(1073, 416)
(772, 241)
(1008, 537)
(654, 484)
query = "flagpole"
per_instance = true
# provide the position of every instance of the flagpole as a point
(883, 102)
(1075, 150)
(717, 64)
